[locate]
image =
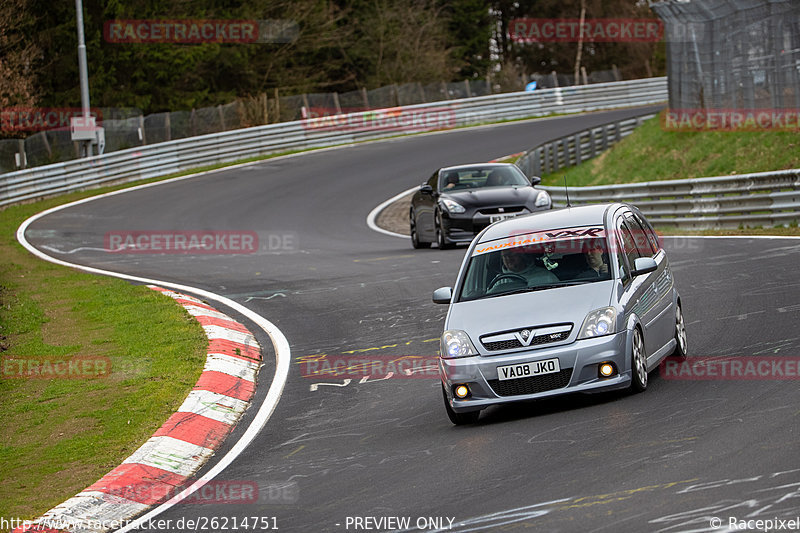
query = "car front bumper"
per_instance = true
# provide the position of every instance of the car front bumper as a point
(578, 362)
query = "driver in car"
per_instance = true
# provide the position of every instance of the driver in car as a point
(516, 261)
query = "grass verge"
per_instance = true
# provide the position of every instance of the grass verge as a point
(651, 154)
(57, 436)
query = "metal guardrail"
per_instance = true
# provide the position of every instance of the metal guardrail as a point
(574, 149)
(176, 156)
(762, 199)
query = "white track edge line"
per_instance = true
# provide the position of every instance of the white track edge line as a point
(279, 342)
(373, 215)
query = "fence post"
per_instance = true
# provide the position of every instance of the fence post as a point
(577, 149)
(605, 138)
(592, 143)
(168, 126)
(537, 162)
(365, 98)
(265, 107)
(21, 157)
(277, 106)
(336, 103)
(142, 136)
(617, 132)
(445, 91)
(555, 78)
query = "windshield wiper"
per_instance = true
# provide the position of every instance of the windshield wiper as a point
(536, 288)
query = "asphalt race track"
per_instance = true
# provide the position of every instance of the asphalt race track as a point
(666, 460)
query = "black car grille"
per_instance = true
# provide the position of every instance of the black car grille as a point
(514, 344)
(531, 385)
(496, 210)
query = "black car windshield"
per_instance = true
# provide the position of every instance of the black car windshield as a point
(478, 177)
(537, 266)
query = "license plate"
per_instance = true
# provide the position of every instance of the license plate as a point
(498, 218)
(525, 370)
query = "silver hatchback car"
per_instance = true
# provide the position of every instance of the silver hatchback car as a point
(580, 299)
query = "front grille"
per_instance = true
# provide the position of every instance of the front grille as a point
(496, 210)
(513, 344)
(531, 385)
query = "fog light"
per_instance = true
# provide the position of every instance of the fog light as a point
(607, 370)
(461, 391)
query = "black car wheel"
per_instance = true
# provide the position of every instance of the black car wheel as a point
(415, 242)
(441, 240)
(459, 419)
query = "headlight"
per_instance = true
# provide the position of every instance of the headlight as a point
(598, 323)
(456, 343)
(542, 199)
(452, 207)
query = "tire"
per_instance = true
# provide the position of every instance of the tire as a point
(415, 242)
(459, 419)
(441, 240)
(681, 340)
(638, 363)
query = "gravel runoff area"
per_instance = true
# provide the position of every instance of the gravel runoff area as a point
(394, 217)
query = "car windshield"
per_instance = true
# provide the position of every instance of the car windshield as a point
(537, 266)
(482, 177)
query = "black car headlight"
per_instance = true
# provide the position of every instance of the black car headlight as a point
(452, 206)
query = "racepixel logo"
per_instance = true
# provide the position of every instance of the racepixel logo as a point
(200, 31)
(19, 119)
(731, 120)
(750, 368)
(324, 366)
(182, 242)
(77, 367)
(541, 30)
(394, 119)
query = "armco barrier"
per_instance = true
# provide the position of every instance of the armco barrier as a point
(763, 199)
(175, 156)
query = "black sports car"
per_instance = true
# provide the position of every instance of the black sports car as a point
(456, 203)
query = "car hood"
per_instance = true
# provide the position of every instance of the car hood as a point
(493, 196)
(530, 309)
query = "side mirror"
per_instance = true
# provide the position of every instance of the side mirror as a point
(535, 180)
(425, 189)
(443, 295)
(644, 265)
